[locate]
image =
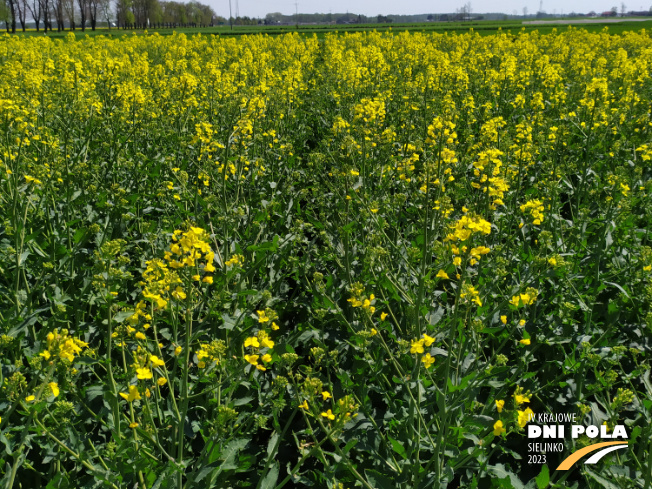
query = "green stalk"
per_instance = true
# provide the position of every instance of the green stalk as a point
(115, 407)
(184, 395)
(63, 446)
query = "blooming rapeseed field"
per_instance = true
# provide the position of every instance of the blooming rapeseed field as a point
(362, 261)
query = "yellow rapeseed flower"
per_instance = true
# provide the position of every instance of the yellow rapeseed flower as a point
(156, 361)
(498, 428)
(252, 359)
(524, 417)
(417, 346)
(133, 395)
(143, 373)
(427, 360)
(328, 414)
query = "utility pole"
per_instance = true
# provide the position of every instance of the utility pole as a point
(296, 13)
(230, 15)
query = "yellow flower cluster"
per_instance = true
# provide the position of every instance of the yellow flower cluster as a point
(235, 260)
(469, 292)
(345, 408)
(189, 248)
(522, 417)
(487, 170)
(212, 351)
(360, 300)
(535, 209)
(161, 278)
(529, 297)
(61, 345)
(262, 340)
(144, 366)
(417, 347)
(467, 226)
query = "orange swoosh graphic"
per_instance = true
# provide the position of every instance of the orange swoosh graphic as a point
(574, 457)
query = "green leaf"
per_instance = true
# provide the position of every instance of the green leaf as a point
(647, 383)
(271, 445)
(601, 480)
(500, 472)
(229, 322)
(94, 391)
(397, 447)
(269, 482)
(59, 480)
(164, 478)
(243, 400)
(121, 316)
(543, 479)
(618, 287)
(230, 453)
(378, 480)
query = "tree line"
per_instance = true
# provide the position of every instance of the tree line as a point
(160, 13)
(82, 14)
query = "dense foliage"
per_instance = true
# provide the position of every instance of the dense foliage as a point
(358, 261)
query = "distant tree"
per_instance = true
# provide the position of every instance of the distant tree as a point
(45, 9)
(11, 4)
(614, 11)
(83, 10)
(122, 11)
(93, 11)
(524, 11)
(105, 12)
(21, 8)
(623, 9)
(34, 7)
(58, 14)
(5, 15)
(70, 11)
(274, 18)
(465, 11)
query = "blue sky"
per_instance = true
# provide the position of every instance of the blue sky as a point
(258, 8)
